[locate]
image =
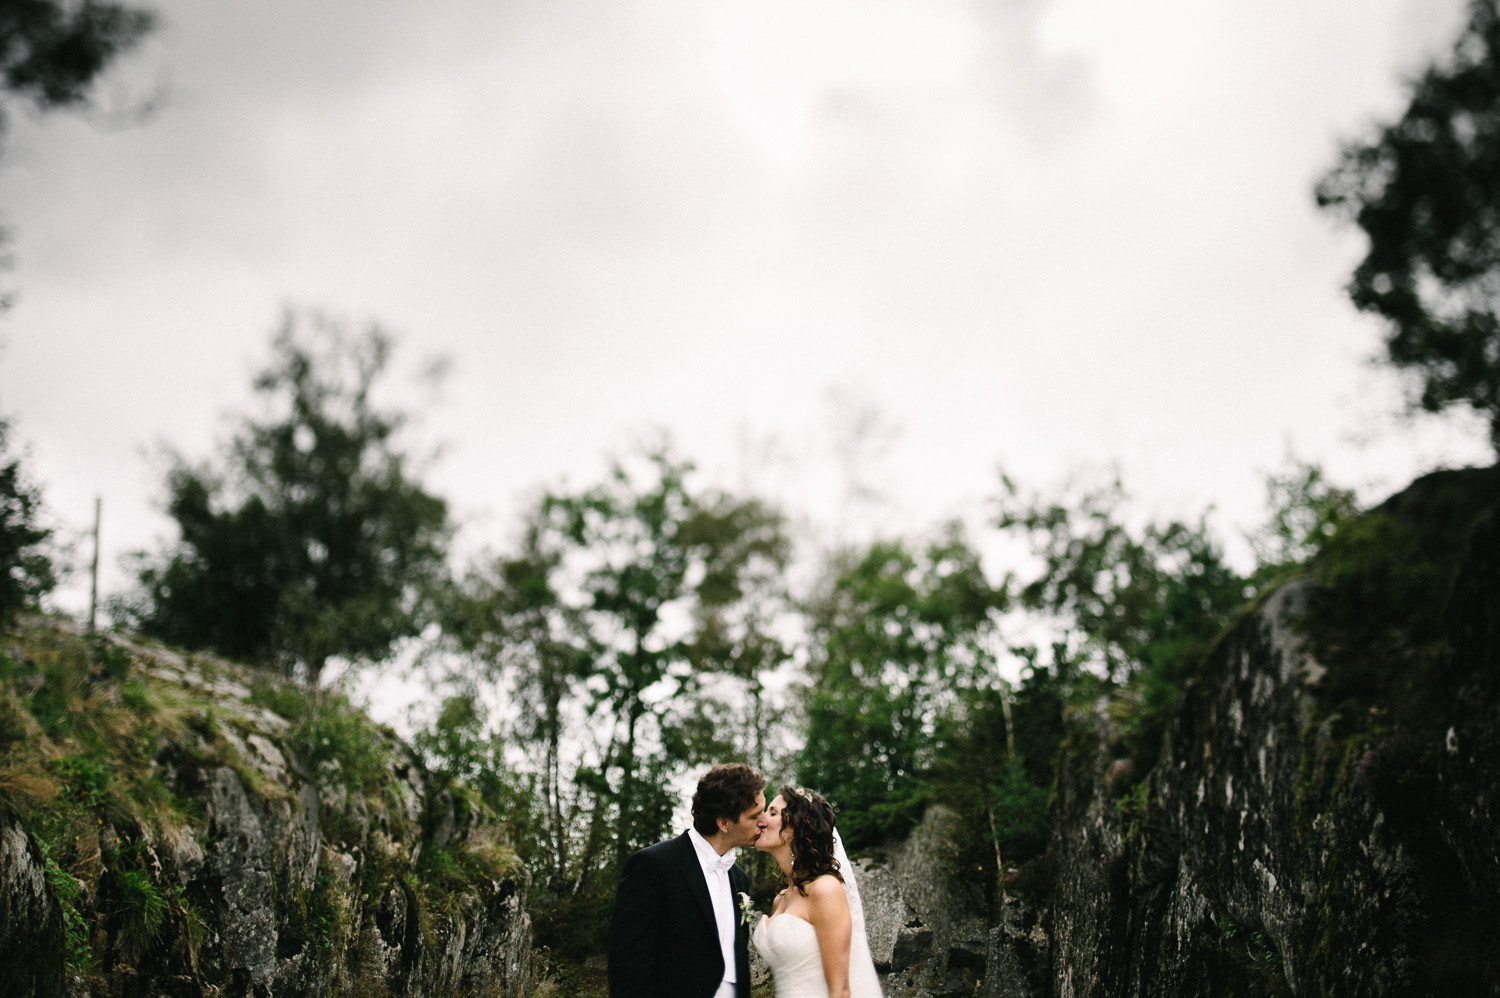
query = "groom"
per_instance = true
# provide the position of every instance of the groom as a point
(677, 930)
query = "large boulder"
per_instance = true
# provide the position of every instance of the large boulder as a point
(925, 923)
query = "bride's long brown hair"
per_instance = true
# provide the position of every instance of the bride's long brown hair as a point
(809, 820)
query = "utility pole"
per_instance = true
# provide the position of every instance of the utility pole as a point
(94, 569)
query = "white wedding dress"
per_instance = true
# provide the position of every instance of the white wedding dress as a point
(789, 945)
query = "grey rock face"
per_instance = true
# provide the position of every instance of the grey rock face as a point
(298, 879)
(925, 933)
(886, 910)
(1274, 847)
(30, 921)
(240, 861)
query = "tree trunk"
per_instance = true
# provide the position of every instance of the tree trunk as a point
(552, 790)
(627, 784)
(759, 739)
(595, 838)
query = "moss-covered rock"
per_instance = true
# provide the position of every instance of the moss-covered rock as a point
(1320, 819)
(172, 825)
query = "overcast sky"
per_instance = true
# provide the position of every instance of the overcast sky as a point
(1029, 233)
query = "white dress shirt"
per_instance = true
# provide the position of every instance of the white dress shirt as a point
(716, 873)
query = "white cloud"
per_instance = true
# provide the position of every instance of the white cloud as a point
(1036, 233)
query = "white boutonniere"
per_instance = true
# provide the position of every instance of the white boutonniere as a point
(747, 907)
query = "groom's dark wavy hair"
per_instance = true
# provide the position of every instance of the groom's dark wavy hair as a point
(809, 819)
(726, 791)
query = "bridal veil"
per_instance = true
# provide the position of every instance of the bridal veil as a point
(863, 981)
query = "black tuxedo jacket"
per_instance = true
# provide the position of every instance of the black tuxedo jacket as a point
(663, 942)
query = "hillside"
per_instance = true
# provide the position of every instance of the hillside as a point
(180, 825)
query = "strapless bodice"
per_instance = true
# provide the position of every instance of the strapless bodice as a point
(789, 945)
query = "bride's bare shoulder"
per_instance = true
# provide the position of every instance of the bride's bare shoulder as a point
(826, 889)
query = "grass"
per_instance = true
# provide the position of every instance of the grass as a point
(85, 731)
(140, 910)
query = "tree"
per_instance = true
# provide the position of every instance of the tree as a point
(652, 565)
(618, 602)
(1127, 600)
(739, 618)
(1426, 192)
(509, 615)
(901, 647)
(26, 572)
(1304, 510)
(313, 540)
(52, 51)
(465, 756)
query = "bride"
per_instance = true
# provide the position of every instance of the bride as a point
(814, 939)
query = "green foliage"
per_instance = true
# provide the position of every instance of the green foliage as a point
(462, 755)
(26, 572)
(565, 977)
(632, 532)
(1020, 813)
(78, 956)
(1304, 511)
(313, 541)
(995, 767)
(140, 911)
(1134, 810)
(282, 699)
(902, 638)
(1424, 192)
(1135, 606)
(644, 552)
(315, 920)
(1385, 581)
(342, 745)
(571, 927)
(52, 52)
(1258, 961)
(509, 620)
(1130, 600)
(455, 745)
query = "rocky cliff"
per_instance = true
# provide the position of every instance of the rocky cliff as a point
(180, 826)
(1321, 818)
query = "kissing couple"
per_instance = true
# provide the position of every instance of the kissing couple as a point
(678, 931)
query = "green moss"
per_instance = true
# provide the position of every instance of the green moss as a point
(1377, 624)
(1385, 578)
(1135, 810)
(88, 739)
(314, 919)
